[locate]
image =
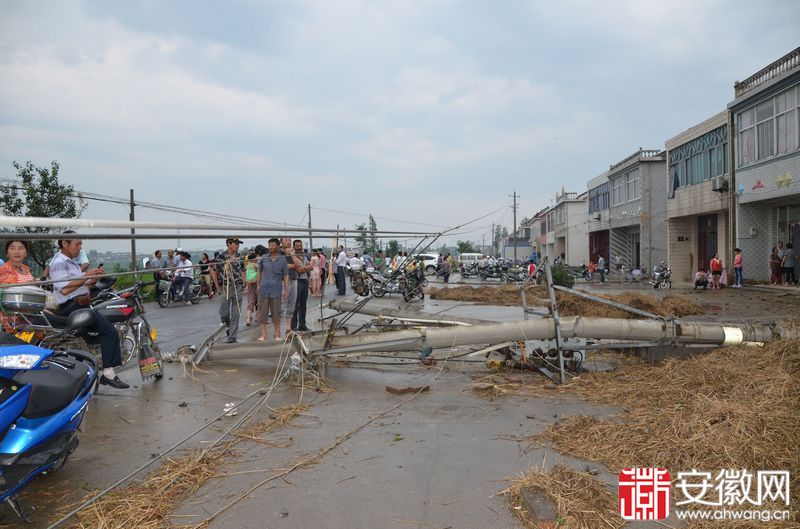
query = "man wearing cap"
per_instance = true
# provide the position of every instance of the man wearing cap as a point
(183, 277)
(230, 272)
(71, 288)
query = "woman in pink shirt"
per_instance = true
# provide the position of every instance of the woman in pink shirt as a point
(737, 268)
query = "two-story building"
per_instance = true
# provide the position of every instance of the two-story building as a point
(598, 202)
(698, 197)
(567, 229)
(538, 231)
(766, 174)
(637, 196)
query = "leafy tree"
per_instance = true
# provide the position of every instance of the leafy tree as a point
(373, 237)
(392, 247)
(39, 194)
(362, 239)
(466, 247)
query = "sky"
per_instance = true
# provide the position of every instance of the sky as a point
(431, 112)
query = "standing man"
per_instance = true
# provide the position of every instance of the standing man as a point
(287, 306)
(323, 268)
(341, 264)
(156, 263)
(601, 267)
(183, 278)
(302, 266)
(230, 270)
(273, 278)
(73, 294)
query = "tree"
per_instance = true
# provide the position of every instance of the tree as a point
(39, 194)
(373, 236)
(392, 247)
(466, 247)
(367, 236)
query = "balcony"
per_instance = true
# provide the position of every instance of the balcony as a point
(788, 62)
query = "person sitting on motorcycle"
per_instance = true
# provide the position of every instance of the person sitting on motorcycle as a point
(71, 288)
(183, 278)
(12, 272)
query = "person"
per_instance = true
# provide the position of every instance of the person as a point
(445, 270)
(379, 262)
(170, 260)
(601, 268)
(737, 268)
(315, 276)
(71, 288)
(775, 276)
(156, 263)
(339, 269)
(531, 268)
(251, 286)
(716, 271)
(701, 279)
(12, 272)
(205, 274)
(176, 258)
(323, 268)
(230, 270)
(287, 306)
(273, 278)
(183, 278)
(302, 267)
(355, 262)
(788, 263)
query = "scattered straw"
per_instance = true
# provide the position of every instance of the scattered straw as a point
(491, 295)
(734, 408)
(582, 502)
(670, 305)
(148, 504)
(492, 387)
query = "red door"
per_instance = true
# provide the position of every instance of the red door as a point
(706, 240)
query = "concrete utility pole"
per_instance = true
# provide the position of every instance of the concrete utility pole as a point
(514, 233)
(133, 232)
(494, 249)
(310, 236)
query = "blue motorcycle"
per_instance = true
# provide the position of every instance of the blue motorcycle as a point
(43, 399)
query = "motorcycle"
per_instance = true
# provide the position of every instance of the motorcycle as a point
(469, 270)
(167, 296)
(516, 274)
(45, 395)
(492, 272)
(661, 277)
(409, 284)
(360, 281)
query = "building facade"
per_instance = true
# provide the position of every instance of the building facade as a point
(637, 209)
(698, 197)
(598, 201)
(567, 229)
(766, 120)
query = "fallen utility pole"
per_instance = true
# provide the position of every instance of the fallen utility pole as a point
(665, 332)
(400, 314)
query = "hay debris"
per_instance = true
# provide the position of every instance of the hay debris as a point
(507, 295)
(492, 387)
(147, 504)
(672, 305)
(732, 408)
(582, 502)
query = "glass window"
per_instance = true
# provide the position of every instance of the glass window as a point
(765, 111)
(786, 125)
(746, 119)
(747, 146)
(766, 139)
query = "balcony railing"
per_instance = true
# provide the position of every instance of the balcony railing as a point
(788, 62)
(641, 153)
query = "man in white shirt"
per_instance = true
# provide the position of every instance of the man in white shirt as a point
(183, 277)
(355, 262)
(341, 263)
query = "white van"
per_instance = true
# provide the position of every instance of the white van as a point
(468, 259)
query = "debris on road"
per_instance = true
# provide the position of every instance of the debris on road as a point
(408, 389)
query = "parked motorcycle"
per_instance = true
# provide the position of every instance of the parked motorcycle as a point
(43, 399)
(661, 277)
(468, 270)
(360, 281)
(167, 296)
(516, 274)
(409, 284)
(492, 272)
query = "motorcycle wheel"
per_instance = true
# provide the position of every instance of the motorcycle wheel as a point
(163, 299)
(483, 277)
(665, 285)
(129, 351)
(407, 297)
(628, 279)
(195, 298)
(424, 282)
(503, 278)
(377, 290)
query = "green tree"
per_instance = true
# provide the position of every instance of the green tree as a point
(466, 247)
(373, 235)
(38, 193)
(367, 236)
(392, 247)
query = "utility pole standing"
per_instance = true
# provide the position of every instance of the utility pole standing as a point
(514, 233)
(494, 244)
(310, 236)
(133, 239)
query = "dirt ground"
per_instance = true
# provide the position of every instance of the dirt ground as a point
(438, 460)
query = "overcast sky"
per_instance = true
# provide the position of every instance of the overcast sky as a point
(431, 111)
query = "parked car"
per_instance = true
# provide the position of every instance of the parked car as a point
(430, 260)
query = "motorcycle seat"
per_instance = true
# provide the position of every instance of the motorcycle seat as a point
(53, 388)
(55, 320)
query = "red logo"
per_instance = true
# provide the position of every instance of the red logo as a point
(644, 493)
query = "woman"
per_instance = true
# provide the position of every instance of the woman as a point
(205, 274)
(251, 285)
(14, 271)
(775, 277)
(716, 271)
(315, 276)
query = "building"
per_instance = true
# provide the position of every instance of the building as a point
(538, 231)
(521, 241)
(598, 221)
(637, 209)
(766, 175)
(567, 229)
(698, 197)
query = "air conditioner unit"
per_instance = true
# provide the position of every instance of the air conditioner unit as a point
(596, 215)
(719, 183)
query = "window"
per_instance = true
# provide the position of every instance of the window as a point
(632, 185)
(771, 128)
(618, 191)
(598, 198)
(718, 160)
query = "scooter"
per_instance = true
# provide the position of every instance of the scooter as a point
(168, 297)
(492, 272)
(661, 277)
(43, 399)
